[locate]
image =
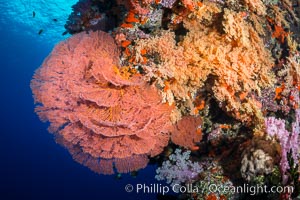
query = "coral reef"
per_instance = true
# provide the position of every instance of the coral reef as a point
(217, 80)
(212, 60)
(92, 15)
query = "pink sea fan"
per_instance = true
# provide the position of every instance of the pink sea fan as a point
(97, 111)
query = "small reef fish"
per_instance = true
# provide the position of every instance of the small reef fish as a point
(40, 31)
(134, 174)
(168, 151)
(65, 33)
(33, 14)
(118, 176)
(55, 20)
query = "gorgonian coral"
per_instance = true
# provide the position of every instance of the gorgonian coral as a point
(187, 132)
(94, 108)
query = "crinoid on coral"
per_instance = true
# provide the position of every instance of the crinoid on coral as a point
(98, 114)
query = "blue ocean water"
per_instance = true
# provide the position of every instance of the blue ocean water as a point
(32, 165)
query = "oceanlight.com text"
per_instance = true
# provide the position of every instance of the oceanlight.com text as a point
(212, 188)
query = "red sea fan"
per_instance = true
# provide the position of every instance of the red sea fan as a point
(187, 132)
(97, 113)
(104, 166)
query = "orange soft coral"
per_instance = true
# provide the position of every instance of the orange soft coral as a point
(235, 60)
